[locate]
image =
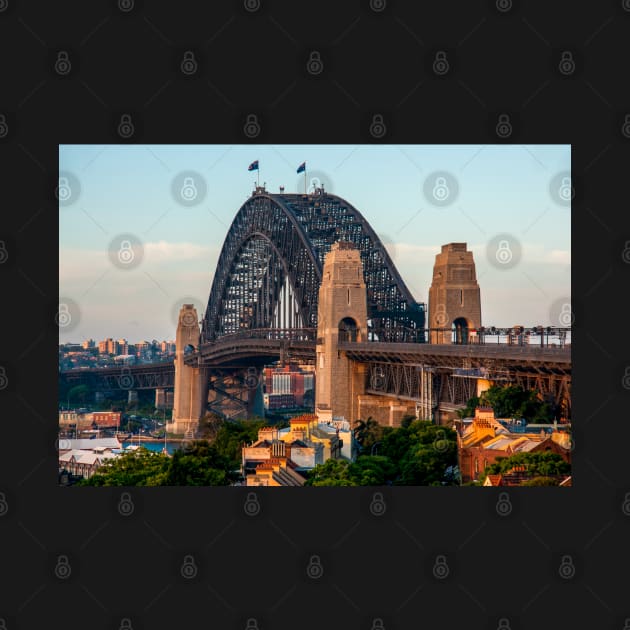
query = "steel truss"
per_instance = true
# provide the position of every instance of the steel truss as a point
(270, 267)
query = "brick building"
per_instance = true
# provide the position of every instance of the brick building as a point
(485, 440)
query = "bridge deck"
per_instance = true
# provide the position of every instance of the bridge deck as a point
(452, 355)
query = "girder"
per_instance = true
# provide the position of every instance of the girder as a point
(275, 250)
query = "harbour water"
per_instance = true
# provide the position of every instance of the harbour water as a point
(171, 447)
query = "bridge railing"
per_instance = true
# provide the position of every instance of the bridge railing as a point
(541, 336)
(274, 334)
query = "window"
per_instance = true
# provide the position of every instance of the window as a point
(461, 297)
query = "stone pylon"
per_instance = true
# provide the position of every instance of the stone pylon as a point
(454, 296)
(191, 383)
(341, 316)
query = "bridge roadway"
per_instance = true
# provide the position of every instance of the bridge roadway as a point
(255, 348)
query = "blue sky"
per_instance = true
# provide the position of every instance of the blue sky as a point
(495, 192)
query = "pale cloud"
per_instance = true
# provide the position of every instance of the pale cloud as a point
(163, 251)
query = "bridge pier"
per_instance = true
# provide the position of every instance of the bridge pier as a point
(191, 383)
(341, 316)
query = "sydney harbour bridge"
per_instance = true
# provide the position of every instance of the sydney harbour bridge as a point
(263, 307)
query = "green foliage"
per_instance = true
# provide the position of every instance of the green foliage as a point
(231, 436)
(198, 464)
(469, 410)
(416, 453)
(541, 481)
(333, 472)
(136, 468)
(537, 464)
(512, 401)
(78, 394)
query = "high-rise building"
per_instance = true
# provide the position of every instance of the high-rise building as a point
(290, 380)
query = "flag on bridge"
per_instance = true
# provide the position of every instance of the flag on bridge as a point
(301, 168)
(253, 166)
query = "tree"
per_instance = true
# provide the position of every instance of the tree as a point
(367, 433)
(541, 481)
(537, 464)
(198, 464)
(78, 394)
(416, 453)
(512, 401)
(137, 468)
(333, 472)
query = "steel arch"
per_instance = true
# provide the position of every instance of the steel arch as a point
(275, 237)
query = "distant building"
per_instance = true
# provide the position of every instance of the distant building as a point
(298, 448)
(83, 457)
(276, 471)
(285, 387)
(88, 343)
(484, 440)
(102, 419)
(125, 359)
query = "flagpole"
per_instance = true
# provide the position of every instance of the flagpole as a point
(258, 176)
(305, 179)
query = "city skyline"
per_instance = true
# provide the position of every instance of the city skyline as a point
(498, 190)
